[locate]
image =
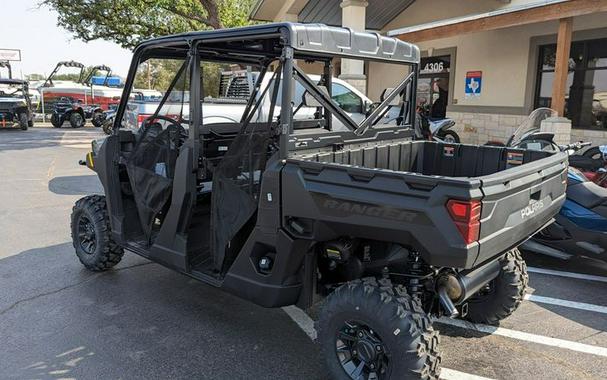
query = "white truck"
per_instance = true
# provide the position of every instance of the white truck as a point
(234, 90)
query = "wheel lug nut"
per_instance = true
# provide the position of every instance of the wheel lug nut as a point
(372, 366)
(360, 334)
(378, 348)
(354, 352)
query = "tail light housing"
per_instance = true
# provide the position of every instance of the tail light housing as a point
(466, 215)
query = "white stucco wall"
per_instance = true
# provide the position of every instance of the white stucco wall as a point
(502, 55)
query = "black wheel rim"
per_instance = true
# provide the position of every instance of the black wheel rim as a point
(86, 235)
(77, 119)
(361, 352)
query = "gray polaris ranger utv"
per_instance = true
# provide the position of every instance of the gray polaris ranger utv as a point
(281, 209)
(15, 104)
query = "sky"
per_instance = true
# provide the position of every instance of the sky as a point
(34, 31)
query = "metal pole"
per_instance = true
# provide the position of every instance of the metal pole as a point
(328, 82)
(286, 110)
(42, 101)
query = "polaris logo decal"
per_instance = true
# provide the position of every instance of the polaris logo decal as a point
(348, 208)
(531, 209)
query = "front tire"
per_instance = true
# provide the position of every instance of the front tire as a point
(56, 121)
(23, 122)
(97, 119)
(368, 328)
(504, 294)
(76, 120)
(91, 234)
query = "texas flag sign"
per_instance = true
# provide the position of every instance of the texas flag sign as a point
(474, 81)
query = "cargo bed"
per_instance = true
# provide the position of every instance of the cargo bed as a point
(398, 191)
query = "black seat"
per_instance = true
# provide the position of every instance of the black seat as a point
(588, 194)
(585, 163)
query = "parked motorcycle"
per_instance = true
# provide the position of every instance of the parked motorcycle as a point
(580, 227)
(436, 129)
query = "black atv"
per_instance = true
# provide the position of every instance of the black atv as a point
(388, 232)
(69, 109)
(15, 104)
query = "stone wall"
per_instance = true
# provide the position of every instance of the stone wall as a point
(478, 128)
(596, 137)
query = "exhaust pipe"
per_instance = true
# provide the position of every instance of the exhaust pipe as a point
(455, 288)
(446, 303)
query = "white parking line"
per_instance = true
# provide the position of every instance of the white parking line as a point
(579, 276)
(539, 339)
(565, 303)
(306, 323)
(302, 319)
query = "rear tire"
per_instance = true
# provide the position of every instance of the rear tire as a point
(91, 234)
(56, 121)
(23, 122)
(364, 314)
(77, 120)
(97, 119)
(504, 294)
(450, 137)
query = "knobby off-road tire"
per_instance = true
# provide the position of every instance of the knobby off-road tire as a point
(91, 234)
(404, 332)
(504, 294)
(56, 121)
(23, 123)
(77, 120)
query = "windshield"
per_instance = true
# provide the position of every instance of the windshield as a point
(161, 88)
(12, 90)
(531, 125)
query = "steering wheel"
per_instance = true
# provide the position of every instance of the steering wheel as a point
(153, 121)
(148, 121)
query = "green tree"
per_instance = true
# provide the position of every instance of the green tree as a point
(128, 22)
(34, 76)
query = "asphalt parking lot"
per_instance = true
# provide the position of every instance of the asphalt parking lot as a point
(140, 320)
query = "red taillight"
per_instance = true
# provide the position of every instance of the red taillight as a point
(141, 118)
(466, 215)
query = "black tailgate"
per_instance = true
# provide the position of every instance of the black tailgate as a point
(519, 201)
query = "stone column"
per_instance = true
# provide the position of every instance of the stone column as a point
(560, 126)
(353, 14)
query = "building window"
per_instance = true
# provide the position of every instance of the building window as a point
(586, 96)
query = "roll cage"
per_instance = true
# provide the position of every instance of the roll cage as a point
(108, 73)
(21, 86)
(49, 81)
(281, 46)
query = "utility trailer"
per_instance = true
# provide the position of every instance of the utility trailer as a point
(386, 231)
